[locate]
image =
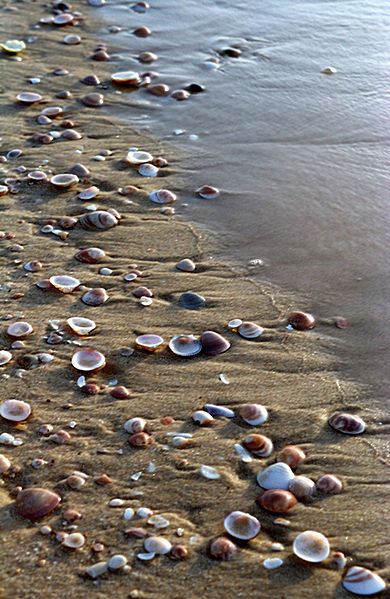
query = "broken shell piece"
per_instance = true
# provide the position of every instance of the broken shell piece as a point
(15, 410)
(149, 342)
(64, 283)
(242, 525)
(5, 464)
(185, 345)
(88, 360)
(162, 196)
(19, 329)
(80, 325)
(138, 157)
(311, 546)
(253, 414)
(64, 180)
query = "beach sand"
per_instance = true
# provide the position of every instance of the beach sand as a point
(296, 375)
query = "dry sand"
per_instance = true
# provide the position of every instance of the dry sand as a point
(297, 376)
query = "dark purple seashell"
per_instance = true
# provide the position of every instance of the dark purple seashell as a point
(80, 170)
(34, 503)
(349, 424)
(91, 80)
(218, 411)
(213, 343)
(192, 301)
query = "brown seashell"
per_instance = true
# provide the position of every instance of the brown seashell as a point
(277, 501)
(90, 389)
(213, 343)
(208, 192)
(95, 297)
(302, 487)
(140, 439)
(142, 292)
(179, 552)
(71, 515)
(158, 89)
(119, 392)
(142, 31)
(90, 255)
(349, 424)
(223, 549)
(93, 100)
(90, 80)
(291, 455)
(301, 321)
(67, 222)
(259, 445)
(71, 134)
(34, 503)
(100, 55)
(329, 484)
(28, 98)
(99, 220)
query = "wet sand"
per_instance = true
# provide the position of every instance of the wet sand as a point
(297, 376)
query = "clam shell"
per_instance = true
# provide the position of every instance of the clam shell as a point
(19, 329)
(88, 360)
(138, 157)
(186, 265)
(28, 98)
(158, 89)
(208, 192)
(80, 325)
(218, 411)
(149, 342)
(37, 175)
(185, 345)
(142, 292)
(202, 418)
(33, 266)
(5, 357)
(157, 545)
(3, 190)
(13, 46)
(276, 476)
(15, 410)
(349, 424)
(277, 501)
(90, 255)
(258, 445)
(330, 484)
(362, 581)
(134, 425)
(140, 440)
(192, 301)
(301, 321)
(302, 487)
(74, 540)
(98, 220)
(63, 18)
(311, 546)
(126, 78)
(162, 196)
(34, 503)
(93, 100)
(52, 111)
(241, 525)
(64, 283)
(148, 170)
(291, 455)
(253, 414)
(64, 180)
(234, 324)
(223, 549)
(95, 297)
(89, 193)
(5, 464)
(213, 343)
(250, 330)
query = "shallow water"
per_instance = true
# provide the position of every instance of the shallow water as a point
(300, 156)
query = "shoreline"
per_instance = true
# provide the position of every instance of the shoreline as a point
(290, 373)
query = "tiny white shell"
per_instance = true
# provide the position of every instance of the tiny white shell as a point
(137, 157)
(276, 476)
(362, 581)
(311, 546)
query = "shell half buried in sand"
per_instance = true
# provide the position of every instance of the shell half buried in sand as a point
(126, 78)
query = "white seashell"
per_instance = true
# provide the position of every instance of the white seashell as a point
(7, 439)
(88, 360)
(149, 342)
(74, 540)
(234, 324)
(209, 472)
(185, 345)
(158, 521)
(253, 414)
(98, 220)
(329, 71)
(272, 562)
(241, 525)
(5, 357)
(311, 546)
(276, 476)
(89, 193)
(202, 418)
(80, 325)
(145, 301)
(64, 180)
(134, 425)
(116, 502)
(162, 196)
(137, 157)
(224, 379)
(128, 514)
(148, 170)
(64, 283)
(117, 562)
(157, 545)
(19, 329)
(127, 78)
(144, 512)
(5, 464)
(362, 581)
(186, 265)
(243, 453)
(15, 410)
(301, 486)
(180, 442)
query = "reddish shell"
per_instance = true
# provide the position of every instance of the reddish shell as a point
(179, 552)
(291, 455)
(259, 445)
(90, 389)
(140, 439)
(213, 343)
(223, 549)
(90, 255)
(120, 392)
(142, 32)
(34, 503)
(349, 424)
(142, 292)
(329, 483)
(95, 297)
(277, 501)
(301, 321)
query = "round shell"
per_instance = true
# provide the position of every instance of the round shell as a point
(5, 357)
(349, 424)
(64, 283)
(250, 330)
(74, 540)
(93, 100)
(138, 157)
(64, 180)
(37, 175)
(134, 425)
(254, 414)
(89, 193)
(34, 503)
(302, 487)
(95, 297)
(185, 345)
(162, 196)
(88, 360)
(157, 545)
(291, 455)
(258, 445)
(149, 342)
(98, 220)
(223, 549)
(186, 265)
(19, 329)
(208, 192)
(192, 301)
(213, 343)
(330, 484)
(28, 98)
(80, 325)
(311, 546)
(126, 78)
(276, 476)
(277, 501)
(234, 324)
(90, 255)
(362, 581)
(148, 170)
(301, 321)
(15, 410)
(13, 46)
(241, 525)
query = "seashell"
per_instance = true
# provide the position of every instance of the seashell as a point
(137, 157)
(98, 220)
(329, 484)
(15, 410)
(253, 413)
(28, 98)
(202, 418)
(117, 562)
(207, 192)
(89, 193)
(126, 78)
(141, 439)
(147, 57)
(362, 581)
(5, 464)
(148, 170)
(223, 549)
(95, 297)
(213, 343)
(349, 424)
(93, 100)
(149, 342)
(192, 301)
(72, 39)
(71, 134)
(258, 445)
(291, 455)
(34, 503)
(301, 321)
(64, 180)
(3, 190)
(131, 276)
(37, 175)
(179, 552)
(250, 330)
(241, 525)
(218, 411)
(157, 545)
(97, 570)
(67, 222)
(90, 80)
(302, 487)
(185, 345)
(162, 196)
(311, 546)
(88, 360)
(80, 170)
(277, 501)
(328, 71)
(142, 31)
(180, 94)
(64, 18)
(74, 540)
(64, 283)
(158, 89)
(80, 325)
(5, 357)
(209, 472)
(19, 329)
(234, 324)
(142, 292)
(90, 255)
(75, 482)
(13, 46)
(119, 392)
(186, 265)
(271, 563)
(276, 476)
(134, 425)
(52, 111)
